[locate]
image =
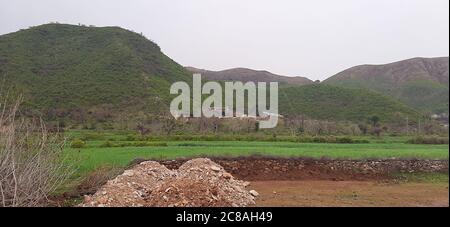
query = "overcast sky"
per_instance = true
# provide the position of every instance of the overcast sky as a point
(313, 38)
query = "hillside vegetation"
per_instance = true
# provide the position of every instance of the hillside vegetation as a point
(78, 73)
(71, 69)
(335, 103)
(422, 83)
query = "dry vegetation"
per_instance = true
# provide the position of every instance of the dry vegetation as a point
(32, 165)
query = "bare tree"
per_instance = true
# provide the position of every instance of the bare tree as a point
(169, 125)
(215, 124)
(296, 124)
(363, 128)
(377, 131)
(142, 129)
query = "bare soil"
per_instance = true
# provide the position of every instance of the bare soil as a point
(350, 194)
(280, 182)
(260, 168)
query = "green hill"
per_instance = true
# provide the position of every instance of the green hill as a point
(64, 69)
(78, 73)
(422, 83)
(327, 102)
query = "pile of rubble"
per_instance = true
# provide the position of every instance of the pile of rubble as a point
(197, 183)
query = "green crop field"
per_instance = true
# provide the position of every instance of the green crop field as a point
(94, 156)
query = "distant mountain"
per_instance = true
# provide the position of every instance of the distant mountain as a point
(247, 75)
(68, 70)
(422, 83)
(319, 101)
(300, 95)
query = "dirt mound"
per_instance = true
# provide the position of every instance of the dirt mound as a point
(197, 183)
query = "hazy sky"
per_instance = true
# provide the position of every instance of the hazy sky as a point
(313, 38)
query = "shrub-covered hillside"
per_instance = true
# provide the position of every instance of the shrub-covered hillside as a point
(66, 69)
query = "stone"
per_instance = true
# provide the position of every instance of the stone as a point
(254, 193)
(227, 176)
(102, 200)
(87, 199)
(128, 173)
(215, 168)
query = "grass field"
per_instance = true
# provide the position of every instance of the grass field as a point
(94, 156)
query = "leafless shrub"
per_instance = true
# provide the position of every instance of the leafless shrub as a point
(32, 164)
(170, 124)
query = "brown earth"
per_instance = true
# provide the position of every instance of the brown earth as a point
(350, 194)
(258, 168)
(278, 181)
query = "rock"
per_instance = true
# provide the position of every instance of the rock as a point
(215, 168)
(102, 200)
(227, 176)
(254, 193)
(87, 199)
(128, 173)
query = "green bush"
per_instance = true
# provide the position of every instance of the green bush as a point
(77, 143)
(92, 136)
(134, 144)
(345, 140)
(428, 140)
(131, 138)
(260, 138)
(329, 139)
(106, 144)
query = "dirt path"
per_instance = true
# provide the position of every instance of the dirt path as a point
(350, 193)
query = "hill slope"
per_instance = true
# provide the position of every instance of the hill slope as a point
(327, 102)
(319, 101)
(96, 73)
(422, 83)
(247, 75)
(67, 68)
